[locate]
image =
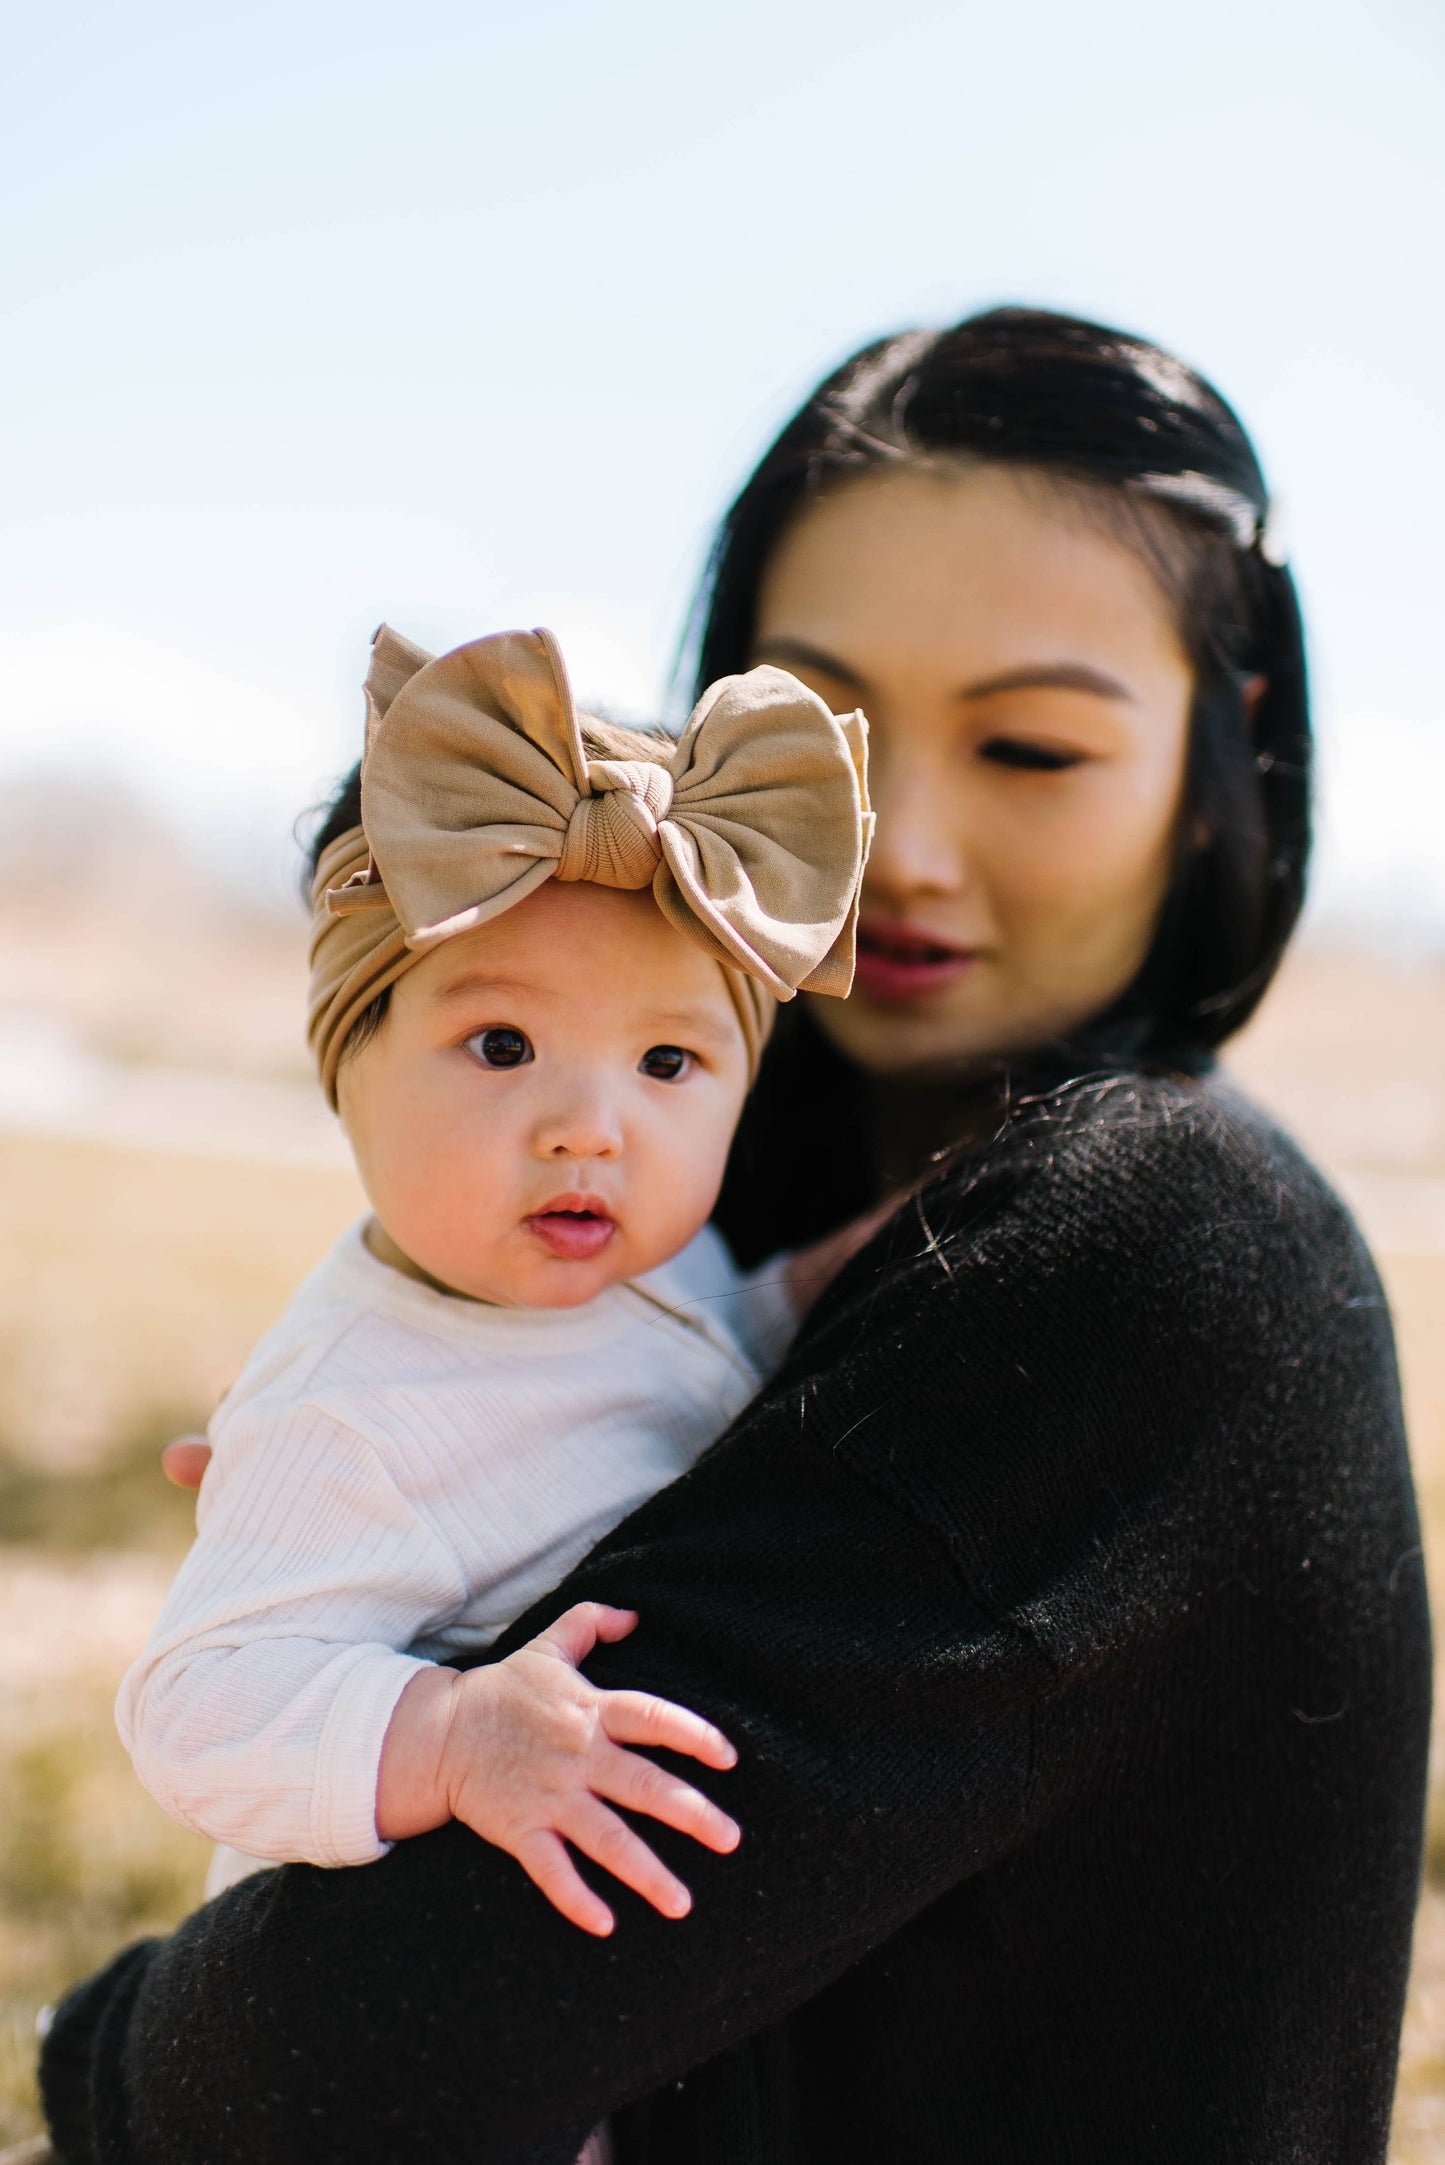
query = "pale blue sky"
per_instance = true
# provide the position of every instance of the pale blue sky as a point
(464, 317)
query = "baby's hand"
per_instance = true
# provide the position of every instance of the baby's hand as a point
(183, 1462)
(526, 1751)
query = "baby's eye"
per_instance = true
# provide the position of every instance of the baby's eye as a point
(665, 1063)
(1025, 752)
(501, 1047)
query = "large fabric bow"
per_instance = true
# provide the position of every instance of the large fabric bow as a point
(477, 784)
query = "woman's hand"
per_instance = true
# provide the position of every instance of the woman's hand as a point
(184, 1461)
(526, 1751)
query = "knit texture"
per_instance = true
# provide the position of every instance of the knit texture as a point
(1063, 1593)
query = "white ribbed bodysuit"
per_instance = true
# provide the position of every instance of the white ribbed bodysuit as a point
(398, 1473)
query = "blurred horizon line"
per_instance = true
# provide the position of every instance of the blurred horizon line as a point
(1377, 879)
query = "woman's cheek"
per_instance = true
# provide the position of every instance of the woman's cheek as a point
(1079, 902)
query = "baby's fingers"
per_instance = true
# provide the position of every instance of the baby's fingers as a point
(184, 1461)
(544, 1859)
(636, 1783)
(635, 1717)
(610, 1842)
(578, 1630)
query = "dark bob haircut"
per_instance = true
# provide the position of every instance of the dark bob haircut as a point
(1148, 446)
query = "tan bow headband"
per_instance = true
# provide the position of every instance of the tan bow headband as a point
(477, 785)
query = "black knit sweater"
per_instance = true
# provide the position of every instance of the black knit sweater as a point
(1063, 1594)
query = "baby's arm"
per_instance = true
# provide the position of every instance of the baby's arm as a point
(257, 1712)
(272, 1711)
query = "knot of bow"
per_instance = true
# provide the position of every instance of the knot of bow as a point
(477, 784)
(612, 836)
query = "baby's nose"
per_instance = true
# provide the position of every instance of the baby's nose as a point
(584, 1128)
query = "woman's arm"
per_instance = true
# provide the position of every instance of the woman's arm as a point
(310, 2016)
(972, 1488)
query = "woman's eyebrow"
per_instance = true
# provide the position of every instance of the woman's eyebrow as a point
(796, 653)
(1050, 676)
(1029, 676)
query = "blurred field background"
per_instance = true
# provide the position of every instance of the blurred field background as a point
(166, 1177)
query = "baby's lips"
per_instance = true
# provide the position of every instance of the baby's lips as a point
(572, 1236)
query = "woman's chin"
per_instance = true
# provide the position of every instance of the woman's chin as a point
(886, 1039)
(928, 1041)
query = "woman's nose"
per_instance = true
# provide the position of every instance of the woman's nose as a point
(919, 846)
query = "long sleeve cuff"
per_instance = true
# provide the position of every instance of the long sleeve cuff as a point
(348, 1758)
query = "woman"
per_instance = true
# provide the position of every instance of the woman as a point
(1063, 1590)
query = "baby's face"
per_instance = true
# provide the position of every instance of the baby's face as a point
(548, 1104)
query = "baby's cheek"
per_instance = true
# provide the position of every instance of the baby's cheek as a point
(447, 1194)
(697, 1171)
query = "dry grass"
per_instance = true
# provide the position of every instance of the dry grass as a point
(131, 1286)
(87, 1862)
(1417, 1294)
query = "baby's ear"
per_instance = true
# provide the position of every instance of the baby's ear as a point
(394, 661)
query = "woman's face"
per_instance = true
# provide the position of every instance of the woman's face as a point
(1028, 699)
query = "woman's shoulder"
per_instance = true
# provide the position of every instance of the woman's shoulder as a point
(1161, 1195)
(1146, 1123)
(1159, 1156)
(1142, 1309)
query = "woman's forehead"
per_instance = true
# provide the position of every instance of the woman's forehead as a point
(957, 573)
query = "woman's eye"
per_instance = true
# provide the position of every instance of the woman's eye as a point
(665, 1063)
(1024, 752)
(502, 1047)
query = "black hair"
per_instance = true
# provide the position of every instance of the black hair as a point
(1146, 444)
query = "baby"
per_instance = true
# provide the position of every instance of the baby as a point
(544, 967)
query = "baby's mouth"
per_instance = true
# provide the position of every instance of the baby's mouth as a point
(573, 1227)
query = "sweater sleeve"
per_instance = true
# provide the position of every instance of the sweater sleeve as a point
(257, 1712)
(978, 1483)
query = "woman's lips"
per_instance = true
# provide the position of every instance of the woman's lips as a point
(900, 962)
(573, 1227)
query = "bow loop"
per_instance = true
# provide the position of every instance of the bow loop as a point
(768, 833)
